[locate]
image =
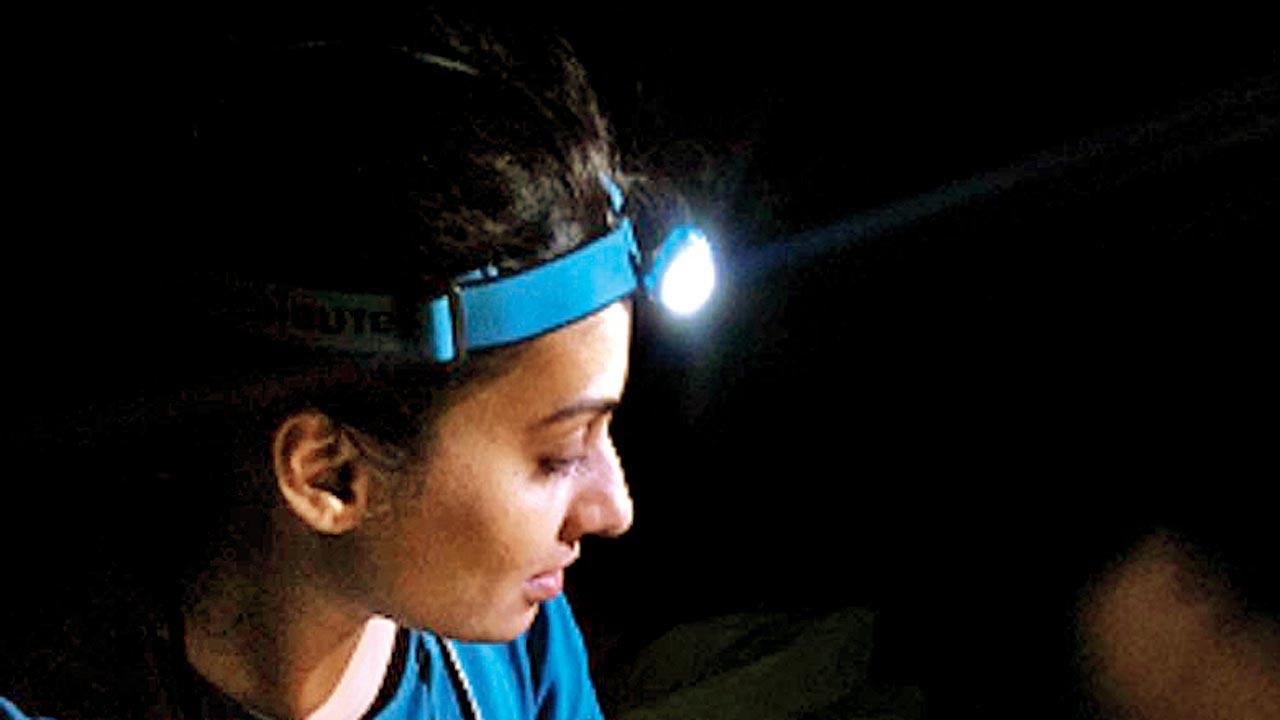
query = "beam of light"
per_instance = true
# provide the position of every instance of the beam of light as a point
(1243, 114)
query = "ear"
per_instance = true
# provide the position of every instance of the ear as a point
(318, 473)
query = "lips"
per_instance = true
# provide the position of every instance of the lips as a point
(544, 586)
(550, 583)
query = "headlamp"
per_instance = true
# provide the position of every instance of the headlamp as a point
(484, 309)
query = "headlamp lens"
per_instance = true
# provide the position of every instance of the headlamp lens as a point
(688, 276)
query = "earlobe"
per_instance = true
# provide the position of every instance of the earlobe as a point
(318, 473)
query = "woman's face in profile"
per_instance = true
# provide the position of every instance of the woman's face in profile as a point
(522, 468)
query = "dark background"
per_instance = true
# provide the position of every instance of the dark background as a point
(997, 301)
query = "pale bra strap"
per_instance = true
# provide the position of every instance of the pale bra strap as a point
(364, 675)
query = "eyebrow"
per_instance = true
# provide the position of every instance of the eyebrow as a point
(595, 406)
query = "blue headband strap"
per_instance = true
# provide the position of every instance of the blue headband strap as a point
(488, 312)
(484, 309)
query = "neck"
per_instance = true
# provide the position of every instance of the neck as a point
(274, 641)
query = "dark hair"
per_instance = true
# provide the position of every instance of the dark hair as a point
(362, 162)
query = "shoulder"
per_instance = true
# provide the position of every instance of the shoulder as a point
(9, 711)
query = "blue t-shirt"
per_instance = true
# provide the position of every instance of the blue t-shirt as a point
(540, 675)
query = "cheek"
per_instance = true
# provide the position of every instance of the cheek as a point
(495, 518)
(524, 520)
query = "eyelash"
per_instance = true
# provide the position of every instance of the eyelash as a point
(560, 466)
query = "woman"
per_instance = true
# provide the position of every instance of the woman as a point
(396, 509)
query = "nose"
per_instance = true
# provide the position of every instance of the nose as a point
(602, 503)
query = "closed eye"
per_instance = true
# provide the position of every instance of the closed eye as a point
(555, 466)
(568, 462)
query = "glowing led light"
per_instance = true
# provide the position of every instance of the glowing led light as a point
(687, 281)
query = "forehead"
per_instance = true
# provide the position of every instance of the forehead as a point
(586, 360)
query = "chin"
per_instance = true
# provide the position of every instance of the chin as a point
(496, 627)
(508, 629)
